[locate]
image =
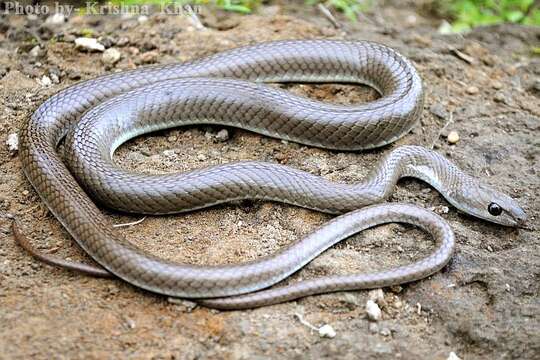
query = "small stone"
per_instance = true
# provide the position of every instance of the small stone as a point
(201, 157)
(169, 153)
(373, 311)
(453, 356)
(445, 28)
(13, 142)
(386, 332)
(142, 19)
(35, 52)
(172, 138)
(184, 305)
(453, 137)
(45, 81)
(440, 209)
(350, 299)
(88, 44)
(222, 135)
(130, 323)
(439, 111)
(111, 56)
(499, 97)
(472, 90)
(423, 40)
(497, 85)
(536, 85)
(373, 328)
(208, 135)
(411, 20)
(149, 57)
(376, 295)
(55, 79)
(326, 331)
(56, 19)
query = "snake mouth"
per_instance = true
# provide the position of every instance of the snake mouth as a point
(520, 217)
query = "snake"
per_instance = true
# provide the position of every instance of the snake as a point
(233, 88)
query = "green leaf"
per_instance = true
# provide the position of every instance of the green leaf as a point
(237, 8)
(514, 16)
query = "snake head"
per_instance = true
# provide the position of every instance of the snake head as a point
(487, 203)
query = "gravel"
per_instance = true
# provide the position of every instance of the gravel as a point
(89, 44)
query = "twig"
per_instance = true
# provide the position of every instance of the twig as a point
(450, 120)
(328, 15)
(304, 322)
(130, 223)
(194, 18)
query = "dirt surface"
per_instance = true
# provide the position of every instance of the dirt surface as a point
(484, 304)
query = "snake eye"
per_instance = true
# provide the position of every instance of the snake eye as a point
(494, 209)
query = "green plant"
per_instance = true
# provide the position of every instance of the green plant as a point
(351, 8)
(470, 13)
(240, 6)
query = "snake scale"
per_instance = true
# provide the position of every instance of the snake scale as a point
(98, 115)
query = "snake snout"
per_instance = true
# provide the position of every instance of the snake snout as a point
(519, 215)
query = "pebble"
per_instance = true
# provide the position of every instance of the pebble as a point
(440, 209)
(149, 57)
(439, 111)
(184, 305)
(453, 137)
(13, 142)
(55, 79)
(499, 97)
(111, 56)
(172, 138)
(201, 157)
(373, 328)
(445, 28)
(376, 295)
(373, 311)
(142, 19)
(169, 153)
(45, 81)
(35, 52)
(472, 90)
(56, 19)
(497, 85)
(536, 85)
(411, 20)
(453, 356)
(386, 332)
(222, 135)
(130, 323)
(89, 44)
(326, 331)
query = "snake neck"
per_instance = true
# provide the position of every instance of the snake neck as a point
(416, 162)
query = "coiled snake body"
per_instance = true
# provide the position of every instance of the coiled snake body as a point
(98, 115)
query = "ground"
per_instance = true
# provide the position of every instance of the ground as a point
(484, 304)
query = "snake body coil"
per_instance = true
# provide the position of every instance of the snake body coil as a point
(226, 89)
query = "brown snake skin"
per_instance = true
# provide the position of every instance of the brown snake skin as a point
(226, 89)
